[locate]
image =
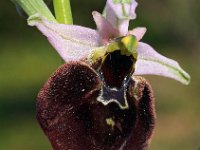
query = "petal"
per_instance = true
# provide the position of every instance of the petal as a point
(152, 63)
(120, 12)
(105, 28)
(71, 42)
(138, 32)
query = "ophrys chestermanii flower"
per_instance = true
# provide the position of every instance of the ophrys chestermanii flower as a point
(97, 100)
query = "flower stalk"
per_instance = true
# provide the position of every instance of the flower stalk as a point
(63, 12)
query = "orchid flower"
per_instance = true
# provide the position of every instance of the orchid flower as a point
(75, 43)
(100, 83)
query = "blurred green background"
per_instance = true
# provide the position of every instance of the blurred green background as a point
(27, 60)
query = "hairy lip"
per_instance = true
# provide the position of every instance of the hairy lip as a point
(72, 121)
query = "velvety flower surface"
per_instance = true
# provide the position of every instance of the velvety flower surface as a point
(72, 118)
(96, 100)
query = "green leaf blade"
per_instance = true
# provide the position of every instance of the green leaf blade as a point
(32, 7)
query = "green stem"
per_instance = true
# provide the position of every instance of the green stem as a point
(32, 7)
(63, 12)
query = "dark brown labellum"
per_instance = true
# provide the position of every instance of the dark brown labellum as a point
(73, 119)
